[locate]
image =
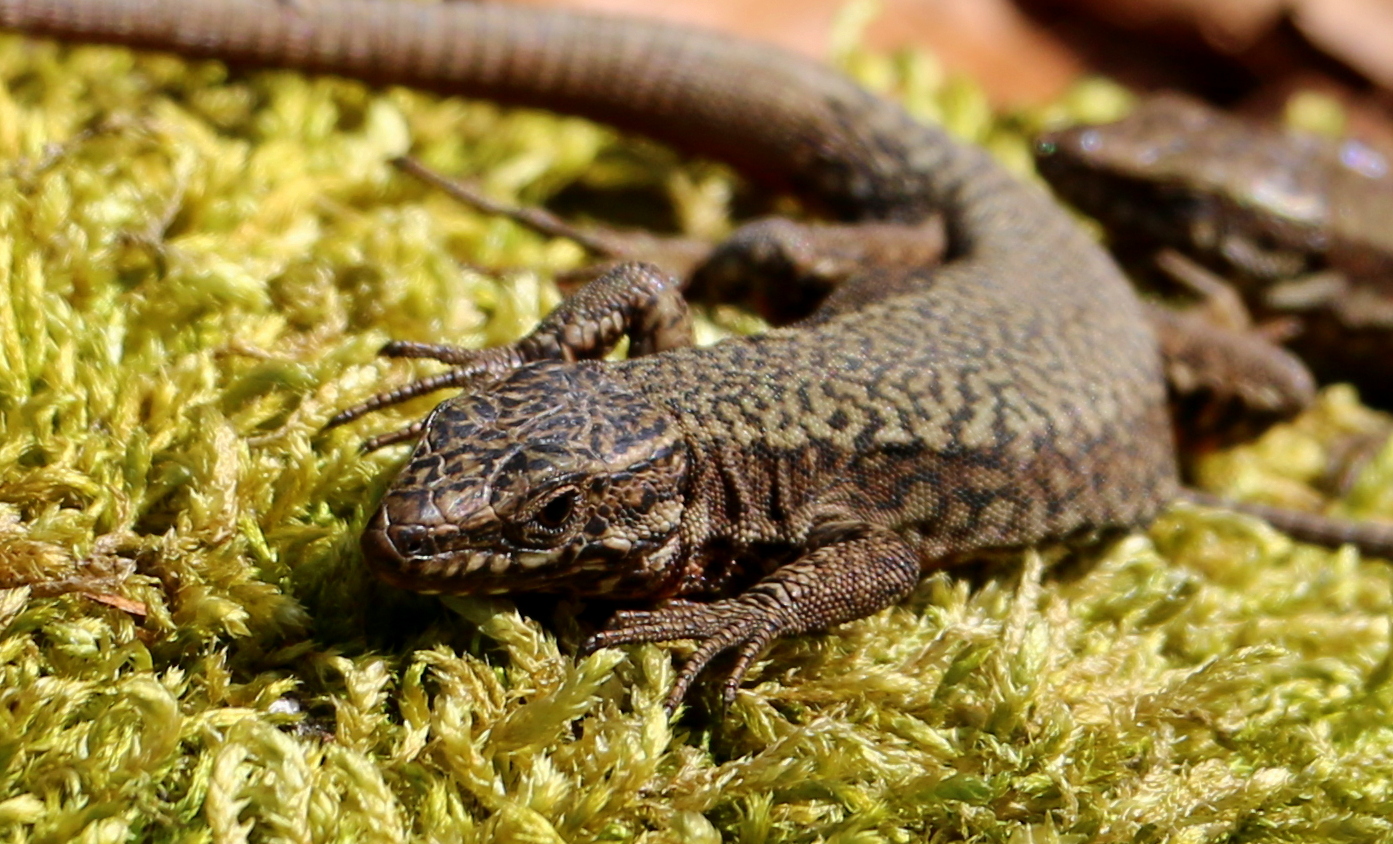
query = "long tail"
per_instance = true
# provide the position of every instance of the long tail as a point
(762, 109)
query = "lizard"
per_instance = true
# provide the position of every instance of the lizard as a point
(1299, 221)
(762, 486)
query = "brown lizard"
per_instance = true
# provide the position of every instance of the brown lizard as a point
(1301, 222)
(768, 485)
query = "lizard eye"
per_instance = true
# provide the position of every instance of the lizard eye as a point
(555, 513)
(549, 519)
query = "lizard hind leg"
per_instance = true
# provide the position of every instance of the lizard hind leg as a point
(839, 582)
(788, 270)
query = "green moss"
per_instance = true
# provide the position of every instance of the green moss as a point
(197, 271)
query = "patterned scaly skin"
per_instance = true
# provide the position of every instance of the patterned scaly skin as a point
(790, 481)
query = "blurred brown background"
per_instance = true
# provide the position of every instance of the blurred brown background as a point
(1249, 54)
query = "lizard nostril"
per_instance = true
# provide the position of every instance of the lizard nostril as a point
(408, 540)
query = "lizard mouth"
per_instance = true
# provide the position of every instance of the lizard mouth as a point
(417, 557)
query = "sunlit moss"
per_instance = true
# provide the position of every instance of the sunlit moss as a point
(197, 271)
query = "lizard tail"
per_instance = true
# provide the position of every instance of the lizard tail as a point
(776, 116)
(1372, 539)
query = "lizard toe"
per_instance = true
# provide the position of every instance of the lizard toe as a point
(746, 623)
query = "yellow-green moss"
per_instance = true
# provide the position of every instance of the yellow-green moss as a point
(195, 273)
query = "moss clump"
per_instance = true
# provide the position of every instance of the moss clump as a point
(196, 273)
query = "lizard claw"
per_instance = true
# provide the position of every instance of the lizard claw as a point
(471, 366)
(401, 435)
(457, 355)
(746, 624)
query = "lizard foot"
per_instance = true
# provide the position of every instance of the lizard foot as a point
(747, 623)
(636, 300)
(783, 269)
(673, 254)
(471, 366)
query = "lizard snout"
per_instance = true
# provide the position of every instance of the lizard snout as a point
(386, 554)
(425, 557)
(399, 553)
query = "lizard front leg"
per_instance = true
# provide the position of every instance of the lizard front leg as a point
(783, 269)
(838, 582)
(1226, 385)
(633, 299)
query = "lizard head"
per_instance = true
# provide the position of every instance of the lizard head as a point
(553, 479)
